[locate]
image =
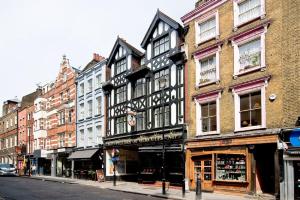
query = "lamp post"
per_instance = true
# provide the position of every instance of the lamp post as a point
(29, 170)
(162, 85)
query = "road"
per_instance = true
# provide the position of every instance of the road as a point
(17, 188)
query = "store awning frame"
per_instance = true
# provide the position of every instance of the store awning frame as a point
(83, 154)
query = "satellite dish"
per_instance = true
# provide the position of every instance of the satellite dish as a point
(295, 137)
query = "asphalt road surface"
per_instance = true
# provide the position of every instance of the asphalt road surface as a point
(17, 188)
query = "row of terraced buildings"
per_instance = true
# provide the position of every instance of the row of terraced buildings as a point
(215, 97)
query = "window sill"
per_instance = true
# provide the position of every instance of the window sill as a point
(249, 128)
(207, 133)
(250, 70)
(199, 85)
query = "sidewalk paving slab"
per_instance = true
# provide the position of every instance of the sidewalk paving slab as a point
(149, 190)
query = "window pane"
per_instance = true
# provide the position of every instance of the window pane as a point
(249, 9)
(255, 100)
(204, 110)
(244, 102)
(245, 119)
(212, 109)
(250, 54)
(208, 69)
(256, 117)
(205, 125)
(213, 124)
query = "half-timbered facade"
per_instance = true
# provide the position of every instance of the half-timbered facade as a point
(145, 103)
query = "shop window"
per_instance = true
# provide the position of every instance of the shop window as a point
(231, 167)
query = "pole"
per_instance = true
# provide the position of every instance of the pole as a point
(198, 188)
(163, 149)
(29, 172)
(183, 166)
(115, 178)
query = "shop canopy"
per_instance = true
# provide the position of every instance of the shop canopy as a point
(83, 154)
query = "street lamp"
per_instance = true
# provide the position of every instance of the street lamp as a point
(162, 85)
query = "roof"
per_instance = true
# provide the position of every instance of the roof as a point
(83, 154)
(123, 43)
(159, 16)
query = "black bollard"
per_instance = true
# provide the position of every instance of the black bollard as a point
(198, 189)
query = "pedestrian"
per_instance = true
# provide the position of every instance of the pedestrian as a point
(33, 169)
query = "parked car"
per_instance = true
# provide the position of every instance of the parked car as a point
(7, 170)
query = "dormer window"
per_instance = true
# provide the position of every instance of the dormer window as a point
(121, 66)
(161, 45)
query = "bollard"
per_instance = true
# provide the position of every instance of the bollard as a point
(198, 189)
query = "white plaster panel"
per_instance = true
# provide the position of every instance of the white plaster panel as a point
(173, 94)
(160, 27)
(112, 70)
(173, 114)
(173, 75)
(112, 97)
(149, 51)
(166, 27)
(120, 52)
(149, 66)
(129, 91)
(129, 60)
(155, 33)
(173, 39)
(112, 127)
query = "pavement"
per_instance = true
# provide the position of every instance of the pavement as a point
(152, 190)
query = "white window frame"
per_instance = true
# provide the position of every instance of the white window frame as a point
(236, 22)
(237, 118)
(206, 100)
(236, 45)
(90, 85)
(203, 19)
(198, 61)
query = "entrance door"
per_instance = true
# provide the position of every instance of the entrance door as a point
(203, 168)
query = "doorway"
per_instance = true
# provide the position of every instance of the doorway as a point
(203, 170)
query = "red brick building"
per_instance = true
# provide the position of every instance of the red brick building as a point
(60, 123)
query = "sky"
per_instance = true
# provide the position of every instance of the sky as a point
(34, 34)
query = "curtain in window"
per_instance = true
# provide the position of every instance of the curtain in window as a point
(248, 10)
(250, 54)
(207, 29)
(208, 70)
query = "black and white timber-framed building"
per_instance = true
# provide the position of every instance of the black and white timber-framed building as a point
(134, 84)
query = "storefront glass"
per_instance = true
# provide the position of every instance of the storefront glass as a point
(231, 167)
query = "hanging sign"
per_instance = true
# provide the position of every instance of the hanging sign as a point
(131, 118)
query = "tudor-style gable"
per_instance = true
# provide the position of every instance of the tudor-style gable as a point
(162, 39)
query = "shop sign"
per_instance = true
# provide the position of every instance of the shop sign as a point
(295, 137)
(131, 118)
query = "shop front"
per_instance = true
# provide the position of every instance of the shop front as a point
(141, 159)
(42, 162)
(86, 162)
(236, 163)
(60, 165)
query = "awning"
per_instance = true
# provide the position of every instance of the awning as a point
(158, 149)
(83, 154)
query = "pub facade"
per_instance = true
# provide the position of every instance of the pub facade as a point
(145, 106)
